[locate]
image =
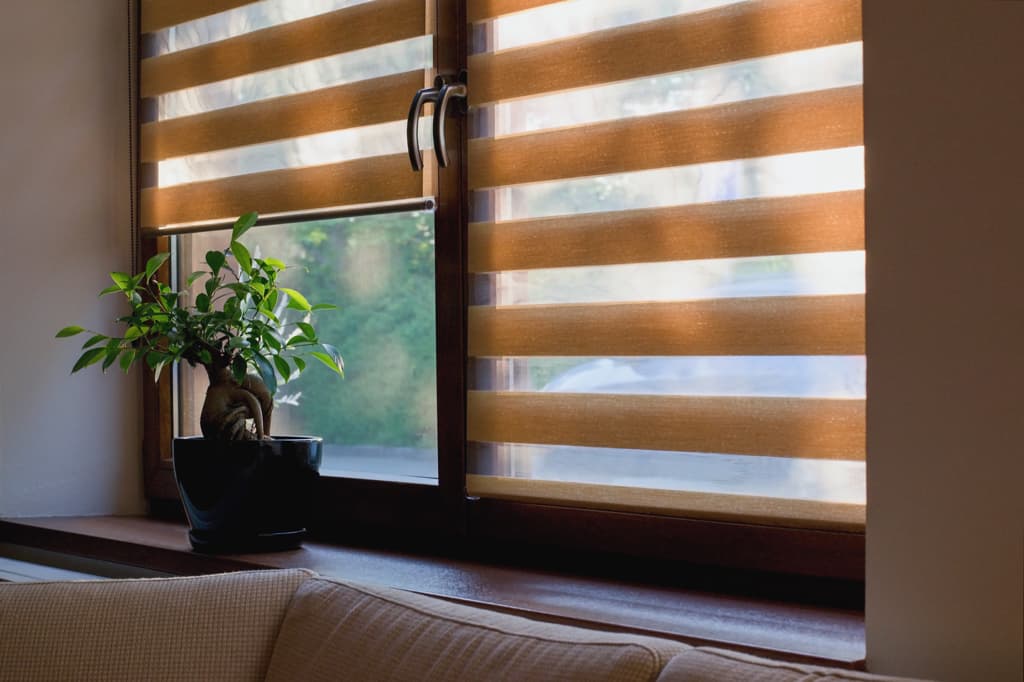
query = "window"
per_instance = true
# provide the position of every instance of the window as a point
(629, 314)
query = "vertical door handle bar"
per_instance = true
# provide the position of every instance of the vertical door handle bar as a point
(445, 88)
(412, 129)
(444, 96)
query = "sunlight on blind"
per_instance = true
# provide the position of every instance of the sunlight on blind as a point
(680, 230)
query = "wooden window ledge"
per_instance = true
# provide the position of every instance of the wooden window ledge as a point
(777, 629)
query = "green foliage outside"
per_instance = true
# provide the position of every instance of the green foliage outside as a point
(380, 272)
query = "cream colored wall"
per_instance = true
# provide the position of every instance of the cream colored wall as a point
(944, 112)
(68, 445)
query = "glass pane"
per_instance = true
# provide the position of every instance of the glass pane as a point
(816, 274)
(801, 376)
(309, 150)
(823, 480)
(381, 420)
(833, 170)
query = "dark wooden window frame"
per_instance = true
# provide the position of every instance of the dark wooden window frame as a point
(442, 513)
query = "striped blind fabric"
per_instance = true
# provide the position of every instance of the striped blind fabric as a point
(667, 253)
(278, 106)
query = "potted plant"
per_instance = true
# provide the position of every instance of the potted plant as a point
(242, 489)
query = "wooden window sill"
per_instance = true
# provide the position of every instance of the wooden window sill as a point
(777, 629)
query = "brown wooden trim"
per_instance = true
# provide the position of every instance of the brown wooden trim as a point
(825, 554)
(347, 507)
(450, 230)
(158, 429)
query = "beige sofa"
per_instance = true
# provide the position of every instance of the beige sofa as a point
(294, 625)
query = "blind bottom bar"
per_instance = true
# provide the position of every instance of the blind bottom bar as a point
(288, 217)
(772, 511)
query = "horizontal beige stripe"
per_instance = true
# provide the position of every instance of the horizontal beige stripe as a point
(479, 10)
(806, 428)
(763, 127)
(344, 30)
(772, 325)
(158, 14)
(363, 103)
(714, 506)
(363, 181)
(729, 229)
(686, 41)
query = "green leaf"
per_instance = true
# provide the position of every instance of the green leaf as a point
(194, 276)
(94, 340)
(241, 255)
(215, 259)
(112, 289)
(307, 330)
(211, 285)
(112, 353)
(126, 359)
(275, 263)
(123, 281)
(329, 361)
(271, 340)
(324, 306)
(243, 224)
(282, 367)
(154, 263)
(135, 332)
(238, 342)
(205, 357)
(334, 353)
(241, 290)
(69, 331)
(266, 371)
(297, 301)
(89, 357)
(300, 364)
(203, 303)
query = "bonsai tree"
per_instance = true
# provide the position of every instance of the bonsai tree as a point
(235, 328)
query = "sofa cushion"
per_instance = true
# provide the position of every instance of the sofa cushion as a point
(706, 664)
(335, 630)
(219, 627)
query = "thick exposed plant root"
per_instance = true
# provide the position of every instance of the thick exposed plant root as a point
(228, 405)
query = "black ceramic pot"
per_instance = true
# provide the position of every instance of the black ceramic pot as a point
(247, 496)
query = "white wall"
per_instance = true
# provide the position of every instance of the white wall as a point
(68, 445)
(944, 113)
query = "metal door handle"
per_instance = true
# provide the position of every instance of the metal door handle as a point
(445, 88)
(444, 96)
(412, 129)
